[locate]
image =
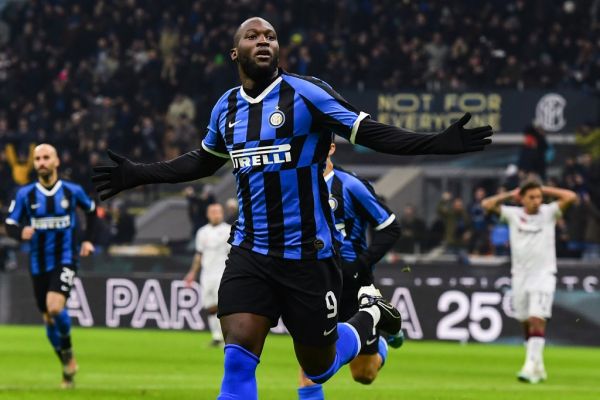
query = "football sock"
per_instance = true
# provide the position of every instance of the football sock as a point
(53, 336)
(364, 322)
(347, 346)
(314, 392)
(535, 350)
(215, 327)
(239, 381)
(63, 324)
(382, 350)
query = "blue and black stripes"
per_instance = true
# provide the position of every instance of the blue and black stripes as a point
(355, 206)
(278, 143)
(52, 214)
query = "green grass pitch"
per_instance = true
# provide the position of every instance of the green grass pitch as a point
(150, 364)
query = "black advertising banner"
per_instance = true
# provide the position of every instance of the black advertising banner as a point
(504, 110)
(445, 302)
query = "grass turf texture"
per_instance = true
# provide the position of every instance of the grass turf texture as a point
(152, 364)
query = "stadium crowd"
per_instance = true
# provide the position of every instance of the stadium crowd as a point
(140, 76)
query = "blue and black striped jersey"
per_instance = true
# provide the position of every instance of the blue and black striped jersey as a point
(278, 143)
(52, 214)
(355, 205)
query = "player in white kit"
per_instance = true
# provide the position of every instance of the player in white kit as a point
(533, 256)
(211, 252)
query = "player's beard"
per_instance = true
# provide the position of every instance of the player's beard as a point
(44, 173)
(258, 73)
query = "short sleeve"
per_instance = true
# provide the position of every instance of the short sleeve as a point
(331, 110)
(507, 213)
(213, 142)
(553, 211)
(16, 209)
(369, 205)
(83, 200)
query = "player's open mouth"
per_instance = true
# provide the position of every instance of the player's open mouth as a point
(263, 55)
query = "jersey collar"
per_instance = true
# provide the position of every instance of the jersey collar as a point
(261, 96)
(329, 175)
(50, 192)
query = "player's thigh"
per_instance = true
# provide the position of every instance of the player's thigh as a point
(315, 360)
(247, 286)
(540, 304)
(246, 330)
(520, 304)
(309, 292)
(540, 297)
(247, 304)
(59, 288)
(520, 297)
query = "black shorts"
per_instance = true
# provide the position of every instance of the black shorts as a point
(304, 293)
(59, 279)
(349, 301)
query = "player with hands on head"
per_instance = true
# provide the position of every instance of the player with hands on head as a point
(533, 257)
(276, 130)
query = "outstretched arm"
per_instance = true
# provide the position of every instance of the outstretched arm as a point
(565, 197)
(492, 203)
(110, 180)
(389, 139)
(334, 114)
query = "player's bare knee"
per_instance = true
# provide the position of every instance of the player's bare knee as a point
(54, 308)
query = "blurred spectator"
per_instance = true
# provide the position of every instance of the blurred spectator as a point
(511, 177)
(588, 138)
(576, 218)
(479, 222)
(499, 239)
(412, 236)
(180, 106)
(591, 251)
(231, 210)
(532, 158)
(122, 223)
(436, 51)
(102, 230)
(457, 224)
(197, 205)
(21, 164)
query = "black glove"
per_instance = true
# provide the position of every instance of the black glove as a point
(112, 179)
(457, 139)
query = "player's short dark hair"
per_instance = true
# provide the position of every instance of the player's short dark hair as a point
(529, 185)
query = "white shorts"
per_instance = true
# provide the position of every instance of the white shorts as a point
(532, 296)
(209, 290)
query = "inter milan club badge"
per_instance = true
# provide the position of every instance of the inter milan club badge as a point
(64, 203)
(277, 119)
(333, 203)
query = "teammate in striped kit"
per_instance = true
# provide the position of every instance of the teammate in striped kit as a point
(276, 128)
(355, 207)
(44, 213)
